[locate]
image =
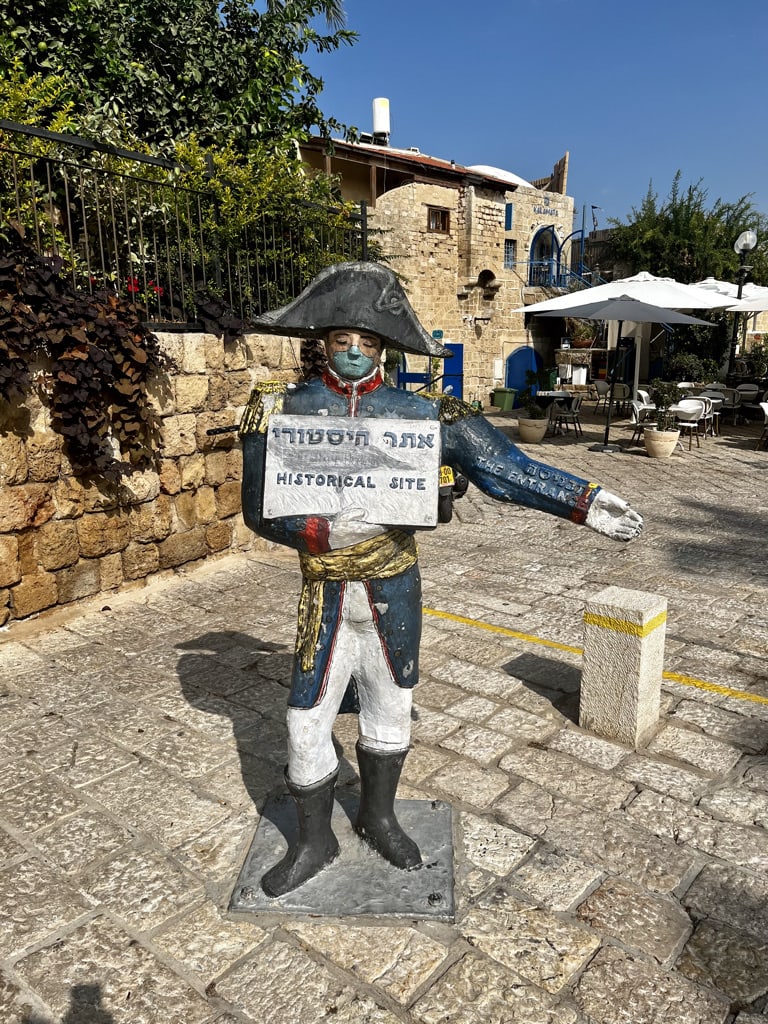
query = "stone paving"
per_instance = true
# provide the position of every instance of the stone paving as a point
(595, 884)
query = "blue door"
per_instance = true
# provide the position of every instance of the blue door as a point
(403, 377)
(517, 365)
(453, 370)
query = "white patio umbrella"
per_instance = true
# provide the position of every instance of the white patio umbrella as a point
(727, 289)
(658, 291)
(757, 304)
(623, 308)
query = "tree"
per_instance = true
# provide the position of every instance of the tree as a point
(687, 238)
(222, 70)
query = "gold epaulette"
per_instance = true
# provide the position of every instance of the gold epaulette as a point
(266, 398)
(451, 408)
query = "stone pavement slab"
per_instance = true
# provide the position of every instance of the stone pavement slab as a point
(595, 884)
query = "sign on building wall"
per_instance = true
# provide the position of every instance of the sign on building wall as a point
(321, 465)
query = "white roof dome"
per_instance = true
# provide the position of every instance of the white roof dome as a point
(497, 172)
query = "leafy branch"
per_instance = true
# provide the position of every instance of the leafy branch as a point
(100, 358)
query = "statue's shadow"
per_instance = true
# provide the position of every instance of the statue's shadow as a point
(247, 679)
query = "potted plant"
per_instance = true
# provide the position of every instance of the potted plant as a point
(532, 420)
(661, 438)
(581, 332)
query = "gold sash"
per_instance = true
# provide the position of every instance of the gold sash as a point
(378, 558)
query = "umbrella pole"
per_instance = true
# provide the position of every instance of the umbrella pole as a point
(605, 447)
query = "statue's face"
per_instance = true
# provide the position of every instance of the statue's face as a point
(353, 354)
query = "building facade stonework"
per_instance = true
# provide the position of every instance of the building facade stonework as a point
(465, 241)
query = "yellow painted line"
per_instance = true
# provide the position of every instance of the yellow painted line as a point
(726, 691)
(623, 626)
(504, 632)
(675, 677)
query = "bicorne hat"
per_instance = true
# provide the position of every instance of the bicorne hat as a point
(359, 296)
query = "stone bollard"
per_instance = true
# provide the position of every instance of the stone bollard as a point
(623, 662)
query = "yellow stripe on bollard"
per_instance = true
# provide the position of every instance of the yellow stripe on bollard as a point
(622, 626)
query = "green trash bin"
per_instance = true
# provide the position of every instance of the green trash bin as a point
(504, 398)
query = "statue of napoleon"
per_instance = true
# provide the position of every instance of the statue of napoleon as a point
(359, 617)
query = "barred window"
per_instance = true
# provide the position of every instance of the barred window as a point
(510, 253)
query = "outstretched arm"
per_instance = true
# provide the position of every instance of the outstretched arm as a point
(501, 470)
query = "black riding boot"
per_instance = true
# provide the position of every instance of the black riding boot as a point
(376, 822)
(316, 845)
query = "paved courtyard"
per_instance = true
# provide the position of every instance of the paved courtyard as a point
(594, 883)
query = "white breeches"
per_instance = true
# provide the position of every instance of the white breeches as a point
(385, 708)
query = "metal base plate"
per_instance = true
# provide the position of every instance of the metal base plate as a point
(359, 882)
(606, 448)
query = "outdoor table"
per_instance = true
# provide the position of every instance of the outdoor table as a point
(546, 398)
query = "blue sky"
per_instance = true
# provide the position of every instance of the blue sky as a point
(633, 90)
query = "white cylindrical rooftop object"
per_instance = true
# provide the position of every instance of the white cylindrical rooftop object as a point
(381, 116)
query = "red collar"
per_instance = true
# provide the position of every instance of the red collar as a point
(345, 387)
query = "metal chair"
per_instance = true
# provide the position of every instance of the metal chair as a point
(639, 413)
(708, 419)
(563, 416)
(621, 396)
(731, 402)
(749, 393)
(603, 389)
(715, 400)
(690, 415)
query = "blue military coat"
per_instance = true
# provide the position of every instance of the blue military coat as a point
(470, 445)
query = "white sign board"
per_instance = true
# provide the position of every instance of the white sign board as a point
(320, 465)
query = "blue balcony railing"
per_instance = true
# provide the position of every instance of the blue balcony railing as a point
(550, 274)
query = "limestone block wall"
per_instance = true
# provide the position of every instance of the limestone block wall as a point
(62, 539)
(430, 262)
(444, 273)
(426, 259)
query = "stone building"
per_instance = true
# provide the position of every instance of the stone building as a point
(471, 243)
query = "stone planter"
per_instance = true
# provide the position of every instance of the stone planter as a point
(532, 431)
(660, 443)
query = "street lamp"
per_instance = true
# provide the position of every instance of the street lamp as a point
(745, 243)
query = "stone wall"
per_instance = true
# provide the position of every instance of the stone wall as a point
(434, 267)
(446, 275)
(62, 540)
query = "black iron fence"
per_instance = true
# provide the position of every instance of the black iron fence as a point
(125, 221)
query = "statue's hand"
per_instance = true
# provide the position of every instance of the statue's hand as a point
(612, 516)
(350, 527)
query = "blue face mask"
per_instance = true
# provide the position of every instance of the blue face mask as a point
(352, 364)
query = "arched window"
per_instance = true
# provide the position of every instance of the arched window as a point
(544, 259)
